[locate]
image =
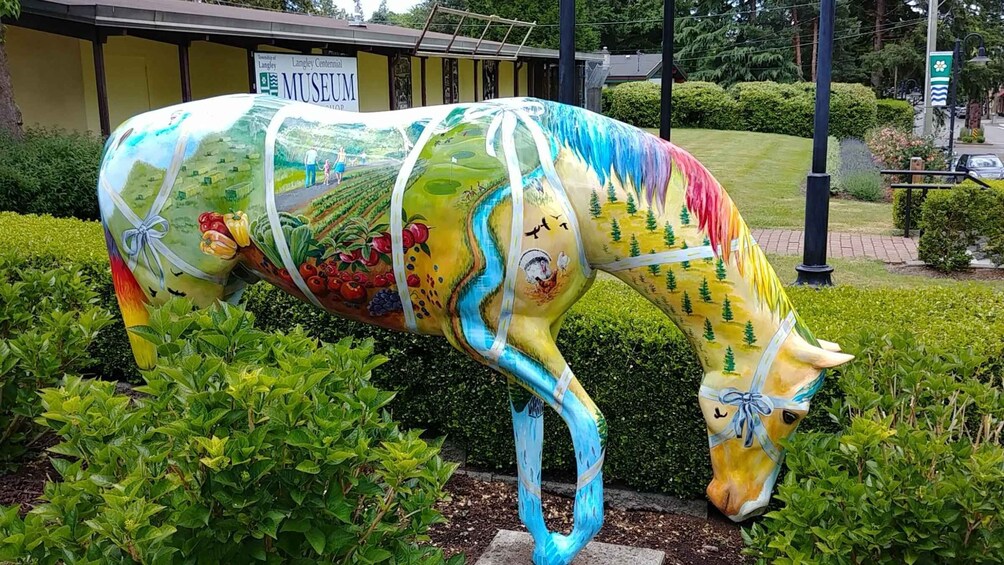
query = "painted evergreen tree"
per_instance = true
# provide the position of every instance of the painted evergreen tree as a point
(705, 291)
(685, 215)
(632, 208)
(611, 193)
(668, 236)
(749, 338)
(730, 360)
(654, 269)
(707, 243)
(684, 264)
(688, 308)
(727, 310)
(650, 223)
(635, 249)
(720, 272)
(709, 331)
(615, 230)
(594, 205)
(670, 280)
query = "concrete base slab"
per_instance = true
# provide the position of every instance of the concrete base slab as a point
(516, 548)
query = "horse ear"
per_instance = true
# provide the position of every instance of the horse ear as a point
(818, 357)
(828, 345)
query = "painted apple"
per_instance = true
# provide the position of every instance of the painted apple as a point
(382, 243)
(413, 280)
(407, 238)
(334, 284)
(317, 285)
(419, 232)
(307, 270)
(353, 291)
(372, 259)
(352, 257)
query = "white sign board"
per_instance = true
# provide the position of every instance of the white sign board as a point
(327, 81)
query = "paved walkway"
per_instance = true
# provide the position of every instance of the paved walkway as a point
(886, 248)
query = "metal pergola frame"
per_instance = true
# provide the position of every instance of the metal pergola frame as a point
(474, 53)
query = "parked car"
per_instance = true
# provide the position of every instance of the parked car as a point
(983, 165)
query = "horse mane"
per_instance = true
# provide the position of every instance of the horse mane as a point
(647, 165)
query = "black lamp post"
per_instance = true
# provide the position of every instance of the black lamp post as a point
(566, 52)
(904, 87)
(665, 123)
(980, 59)
(813, 270)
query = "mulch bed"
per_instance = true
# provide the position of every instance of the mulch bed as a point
(24, 484)
(479, 509)
(966, 275)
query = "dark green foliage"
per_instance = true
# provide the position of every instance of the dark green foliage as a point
(685, 217)
(594, 205)
(895, 113)
(954, 220)
(688, 307)
(668, 236)
(727, 314)
(654, 269)
(720, 272)
(788, 108)
(611, 193)
(709, 331)
(248, 447)
(632, 208)
(705, 105)
(914, 475)
(615, 230)
(650, 223)
(749, 337)
(730, 360)
(705, 291)
(635, 103)
(635, 250)
(48, 320)
(670, 280)
(899, 208)
(50, 172)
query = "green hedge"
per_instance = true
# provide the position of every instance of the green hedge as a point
(895, 113)
(957, 219)
(899, 209)
(50, 172)
(636, 365)
(750, 106)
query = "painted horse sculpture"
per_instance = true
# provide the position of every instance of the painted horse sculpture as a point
(482, 223)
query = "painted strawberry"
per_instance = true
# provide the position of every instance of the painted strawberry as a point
(382, 243)
(352, 291)
(317, 285)
(419, 232)
(413, 280)
(407, 238)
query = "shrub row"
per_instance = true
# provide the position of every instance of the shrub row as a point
(968, 216)
(895, 113)
(753, 106)
(637, 366)
(50, 172)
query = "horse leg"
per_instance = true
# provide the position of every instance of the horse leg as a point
(528, 425)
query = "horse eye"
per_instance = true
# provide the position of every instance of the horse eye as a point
(789, 417)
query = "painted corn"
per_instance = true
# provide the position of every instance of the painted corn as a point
(237, 223)
(215, 243)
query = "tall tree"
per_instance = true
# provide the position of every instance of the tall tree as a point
(10, 114)
(381, 15)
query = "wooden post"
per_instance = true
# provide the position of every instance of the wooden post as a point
(101, 82)
(186, 73)
(252, 79)
(425, 98)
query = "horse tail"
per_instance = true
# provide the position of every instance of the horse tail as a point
(133, 303)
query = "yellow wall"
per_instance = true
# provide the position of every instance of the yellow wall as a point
(465, 76)
(434, 75)
(506, 79)
(374, 90)
(48, 79)
(524, 80)
(142, 75)
(416, 82)
(217, 69)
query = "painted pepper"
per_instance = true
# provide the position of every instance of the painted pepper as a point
(237, 223)
(217, 244)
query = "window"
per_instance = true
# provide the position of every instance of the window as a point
(451, 81)
(402, 82)
(984, 161)
(490, 78)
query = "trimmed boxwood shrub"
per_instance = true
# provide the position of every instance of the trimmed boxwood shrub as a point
(50, 172)
(635, 364)
(704, 105)
(954, 220)
(636, 103)
(899, 208)
(895, 113)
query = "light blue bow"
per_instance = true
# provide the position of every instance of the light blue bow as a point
(749, 405)
(139, 242)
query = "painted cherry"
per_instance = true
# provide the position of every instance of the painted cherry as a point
(352, 257)
(372, 259)
(413, 280)
(317, 285)
(307, 270)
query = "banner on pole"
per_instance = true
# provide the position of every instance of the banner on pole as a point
(939, 67)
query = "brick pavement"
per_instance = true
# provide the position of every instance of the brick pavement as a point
(886, 248)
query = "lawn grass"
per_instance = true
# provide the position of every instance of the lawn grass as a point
(764, 173)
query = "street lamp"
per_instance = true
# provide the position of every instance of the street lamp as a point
(813, 271)
(980, 59)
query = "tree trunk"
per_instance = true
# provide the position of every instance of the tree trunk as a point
(815, 45)
(797, 40)
(879, 22)
(974, 114)
(10, 115)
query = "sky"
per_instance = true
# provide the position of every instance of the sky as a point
(370, 5)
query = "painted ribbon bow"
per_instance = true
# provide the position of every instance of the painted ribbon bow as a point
(138, 242)
(748, 404)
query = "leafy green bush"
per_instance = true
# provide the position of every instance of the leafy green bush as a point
(246, 447)
(954, 220)
(852, 109)
(774, 108)
(864, 185)
(48, 319)
(894, 113)
(899, 208)
(915, 476)
(50, 172)
(703, 105)
(893, 148)
(636, 103)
